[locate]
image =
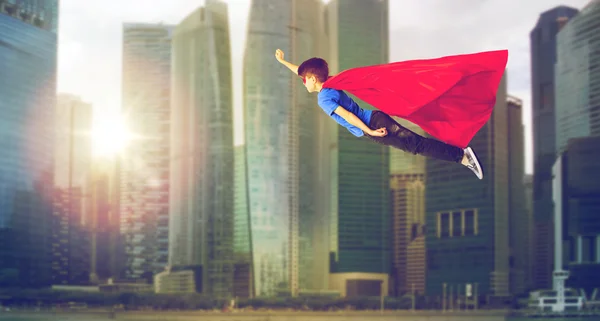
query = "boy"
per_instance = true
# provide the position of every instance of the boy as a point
(376, 125)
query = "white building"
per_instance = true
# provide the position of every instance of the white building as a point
(145, 165)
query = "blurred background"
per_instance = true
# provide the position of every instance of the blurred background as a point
(157, 149)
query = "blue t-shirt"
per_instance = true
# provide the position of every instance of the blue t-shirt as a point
(329, 99)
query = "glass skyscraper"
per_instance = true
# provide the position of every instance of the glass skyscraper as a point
(519, 217)
(72, 157)
(360, 219)
(202, 159)
(577, 77)
(145, 166)
(468, 219)
(407, 202)
(28, 66)
(543, 57)
(281, 123)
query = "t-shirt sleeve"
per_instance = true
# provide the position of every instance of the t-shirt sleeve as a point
(329, 101)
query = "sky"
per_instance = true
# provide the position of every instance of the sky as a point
(90, 35)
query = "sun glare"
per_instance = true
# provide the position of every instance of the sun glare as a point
(110, 136)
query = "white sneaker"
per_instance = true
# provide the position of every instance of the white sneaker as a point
(473, 163)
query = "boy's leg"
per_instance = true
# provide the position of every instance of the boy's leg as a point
(408, 141)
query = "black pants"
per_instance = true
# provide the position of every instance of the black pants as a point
(408, 141)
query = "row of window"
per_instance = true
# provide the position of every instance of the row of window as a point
(457, 223)
(582, 249)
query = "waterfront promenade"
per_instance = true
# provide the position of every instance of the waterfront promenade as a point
(261, 316)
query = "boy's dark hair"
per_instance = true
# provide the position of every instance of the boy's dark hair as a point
(314, 66)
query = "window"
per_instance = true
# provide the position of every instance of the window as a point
(456, 224)
(588, 248)
(546, 96)
(469, 222)
(445, 225)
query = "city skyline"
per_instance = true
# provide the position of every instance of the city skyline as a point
(313, 214)
(89, 43)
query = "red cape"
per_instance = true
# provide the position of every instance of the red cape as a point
(450, 98)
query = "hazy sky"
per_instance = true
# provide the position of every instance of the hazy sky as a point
(90, 41)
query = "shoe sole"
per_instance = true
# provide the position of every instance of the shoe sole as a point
(480, 170)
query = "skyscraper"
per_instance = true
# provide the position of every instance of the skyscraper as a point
(468, 219)
(528, 190)
(282, 139)
(543, 58)
(577, 83)
(72, 164)
(407, 184)
(102, 220)
(73, 146)
(577, 77)
(145, 166)
(577, 196)
(357, 31)
(28, 52)
(519, 216)
(202, 159)
(242, 277)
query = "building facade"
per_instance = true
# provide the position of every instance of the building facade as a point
(202, 158)
(281, 129)
(577, 77)
(519, 216)
(360, 240)
(28, 65)
(145, 164)
(242, 279)
(543, 57)
(468, 219)
(72, 164)
(578, 198)
(407, 185)
(103, 221)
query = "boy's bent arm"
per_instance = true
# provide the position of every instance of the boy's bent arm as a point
(290, 66)
(279, 56)
(352, 119)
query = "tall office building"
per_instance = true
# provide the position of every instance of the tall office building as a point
(360, 245)
(72, 164)
(73, 146)
(282, 143)
(407, 185)
(519, 216)
(242, 277)
(468, 219)
(543, 58)
(577, 86)
(577, 77)
(577, 196)
(102, 220)
(28, 64)
(528, 190)
(202, 159)
(145, 164)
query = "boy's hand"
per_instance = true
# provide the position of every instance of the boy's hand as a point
(279, 55)
(381, 132)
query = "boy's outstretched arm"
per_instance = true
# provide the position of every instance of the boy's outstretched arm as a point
(352, 119)
(279, 57)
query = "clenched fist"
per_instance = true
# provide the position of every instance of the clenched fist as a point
(279, 55)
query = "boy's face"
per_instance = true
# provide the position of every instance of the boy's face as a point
(310, 82)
